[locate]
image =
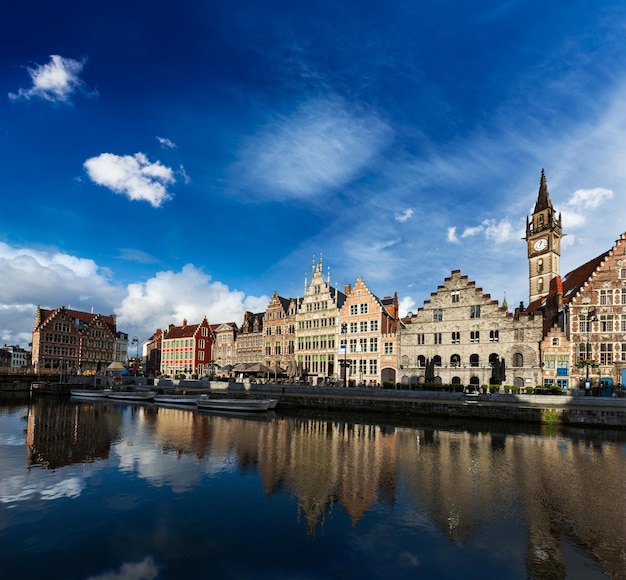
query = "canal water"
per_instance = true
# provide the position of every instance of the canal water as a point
(103, 490)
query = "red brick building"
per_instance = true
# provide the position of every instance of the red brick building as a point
(187, 349)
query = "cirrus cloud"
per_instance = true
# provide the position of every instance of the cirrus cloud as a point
(132, 175)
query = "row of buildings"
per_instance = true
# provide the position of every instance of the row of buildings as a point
(572, 334)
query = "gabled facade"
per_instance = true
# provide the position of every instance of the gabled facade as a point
(367, 340)
(187, 349)
(74, 341)
(225, 345)
(463, 337)
(250, 338)
(153, 353)
(280, 332)
(317, 328)
(589, 306)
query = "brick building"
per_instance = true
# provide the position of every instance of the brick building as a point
(75, 342)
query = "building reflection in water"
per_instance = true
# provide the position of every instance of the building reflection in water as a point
(458, 480)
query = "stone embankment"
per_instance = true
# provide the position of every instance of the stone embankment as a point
(564, 410)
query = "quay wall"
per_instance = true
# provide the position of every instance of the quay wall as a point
(548, 409)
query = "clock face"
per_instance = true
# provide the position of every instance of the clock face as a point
(541, 244)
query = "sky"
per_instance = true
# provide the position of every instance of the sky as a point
(164, 161)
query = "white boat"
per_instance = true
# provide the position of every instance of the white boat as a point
(205, 402)
(132, 395)
(90, 393)
(176, 399)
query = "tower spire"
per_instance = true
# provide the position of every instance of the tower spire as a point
(543, 199)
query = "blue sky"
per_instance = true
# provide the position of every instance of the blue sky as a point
(163, 161)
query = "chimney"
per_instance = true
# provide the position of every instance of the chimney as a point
(184, 322)
(347, 289)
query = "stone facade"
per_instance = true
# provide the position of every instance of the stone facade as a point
(280, 332)
(250, 338)
(225, 345)
(465, 335)
(317, 327)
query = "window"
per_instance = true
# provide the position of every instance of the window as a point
(474, 360)
(363, 326)
(456, 337)
(623, 295)
(201, 355)
(201, 343)
(555, 342)
(518, 360)
(421, 361)
(363, 308)
(437, 315)
(475, 311)
(373, 345)
(622, 325)
(623, 351)
(455, 360)
(388, 348)
(494, 336)
(475, 336)
(373, 366)
(420, 338)
(606, 296)
(622, 273)
(437, 338)
(352, 345)
(373, 325)
(205, 331)
(362, 344)
(456, 296)
(549, 361)
(606, 323)
(606, 353)
(540, 285)
(354, 309)
(353, 327)
(540, 266)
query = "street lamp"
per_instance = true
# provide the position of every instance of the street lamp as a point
(591, 317)
(344, 330)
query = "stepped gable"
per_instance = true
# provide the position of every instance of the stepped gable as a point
(469, 284)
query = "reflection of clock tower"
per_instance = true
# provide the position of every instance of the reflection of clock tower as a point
(543, 235)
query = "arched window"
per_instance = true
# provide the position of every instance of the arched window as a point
(474, 360)
(540, 266)
(456, 380)
(493, 359)
(455, 360)
(421, 361)
(437, 360)
(474, 381)
(518, 360)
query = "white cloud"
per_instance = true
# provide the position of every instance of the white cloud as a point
(166, 143)
(407, 214)
(406, 305)
(452, 235)
(159, 301)
(321, 147)
(49, 278)
(55, 81)
(133, 176)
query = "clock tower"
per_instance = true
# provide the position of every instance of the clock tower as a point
(543, 236)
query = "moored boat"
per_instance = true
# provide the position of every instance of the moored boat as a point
(90, 393)
(45, 388)
(132, 395)
(176, 399)
(205, 402)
